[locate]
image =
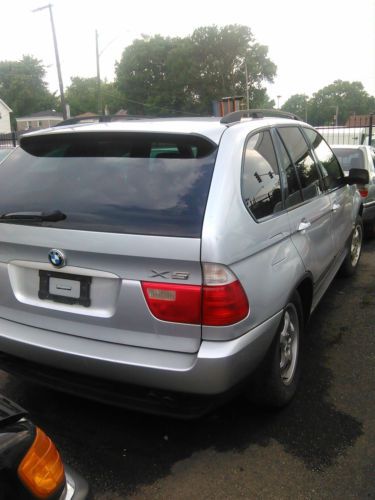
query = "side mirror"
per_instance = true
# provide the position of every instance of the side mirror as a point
(357, 176)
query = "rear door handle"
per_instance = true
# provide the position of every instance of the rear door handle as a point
(335, 207)
(304, 224)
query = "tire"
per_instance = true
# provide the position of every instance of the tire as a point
(351, 261)
(276, 379)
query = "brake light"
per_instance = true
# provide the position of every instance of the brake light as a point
(174, 302)
(41, 469)
(363, 192)
(224, 299)
(221, 301)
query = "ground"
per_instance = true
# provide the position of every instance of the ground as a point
(321, 446)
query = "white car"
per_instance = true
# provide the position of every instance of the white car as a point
(361, 157)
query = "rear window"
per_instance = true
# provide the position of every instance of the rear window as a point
(349, 158)
(153, 184)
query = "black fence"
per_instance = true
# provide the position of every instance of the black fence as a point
(359, 129)
(9, 140)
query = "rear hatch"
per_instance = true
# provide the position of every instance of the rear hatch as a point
(91, 220)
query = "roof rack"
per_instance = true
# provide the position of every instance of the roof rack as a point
(236, 116)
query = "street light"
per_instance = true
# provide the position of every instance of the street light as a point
(63, 105)
(98, 81)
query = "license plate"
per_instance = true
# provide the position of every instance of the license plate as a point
(65, 288)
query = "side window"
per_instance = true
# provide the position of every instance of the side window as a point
(307, 169)
(293, 194)
(260, 182)
(332, 173)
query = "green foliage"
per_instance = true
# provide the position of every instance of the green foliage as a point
(82, 96)
(184, 75)
(298, 104)
(347, 97)
(23, 88)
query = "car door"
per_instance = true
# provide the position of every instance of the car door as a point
(308, 204)
(340, 193)
(370, 165)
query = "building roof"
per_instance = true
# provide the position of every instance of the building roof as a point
(51, 113)
(5, 106)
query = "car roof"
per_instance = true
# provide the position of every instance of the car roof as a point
(210, 127)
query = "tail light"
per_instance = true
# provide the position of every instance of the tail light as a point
(224, 300)
(363, 192)
(220, 301)
(41, 469)
(177, 303)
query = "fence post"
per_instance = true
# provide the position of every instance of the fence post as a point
(14, 138)
(370, 129)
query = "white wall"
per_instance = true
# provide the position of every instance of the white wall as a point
(4, 120)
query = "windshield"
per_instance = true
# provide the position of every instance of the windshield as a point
(130, 183)
(349, 158)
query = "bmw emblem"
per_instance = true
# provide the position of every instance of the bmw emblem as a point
(57, 258)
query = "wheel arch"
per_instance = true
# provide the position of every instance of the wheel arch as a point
(305, 291)
(360, 211)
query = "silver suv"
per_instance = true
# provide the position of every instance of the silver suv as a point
(149, 262)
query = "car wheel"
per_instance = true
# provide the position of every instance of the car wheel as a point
(355, 248)
(275, 381)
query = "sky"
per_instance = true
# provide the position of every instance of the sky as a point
(311, 43)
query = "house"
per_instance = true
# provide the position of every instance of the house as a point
(42, 119)
(4, 118)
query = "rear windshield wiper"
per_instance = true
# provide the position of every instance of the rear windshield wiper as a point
(53, 216)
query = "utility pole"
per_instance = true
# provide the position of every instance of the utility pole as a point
(336, 115)
(247, 86)
(63, 104)
(100, 105)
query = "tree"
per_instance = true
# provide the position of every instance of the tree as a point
(150, 75)
(219, 59)
(181, 75)
(23, 88)
(82, 96)
(299, 105)
(342, 96)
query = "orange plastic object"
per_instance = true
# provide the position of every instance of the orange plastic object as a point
(41, 469)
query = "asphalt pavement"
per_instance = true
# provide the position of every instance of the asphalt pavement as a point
(322, 446)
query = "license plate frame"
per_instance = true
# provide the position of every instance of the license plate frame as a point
(44, 292)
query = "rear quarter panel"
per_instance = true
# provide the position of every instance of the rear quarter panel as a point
(261, 254)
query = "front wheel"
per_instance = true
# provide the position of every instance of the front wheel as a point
(351, 261)
(276, 379)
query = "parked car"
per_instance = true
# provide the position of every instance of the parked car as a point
(158, 263)
(30, 465)
(361, 157)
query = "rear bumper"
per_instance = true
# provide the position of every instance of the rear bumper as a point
(215, 369)
(76, 486)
